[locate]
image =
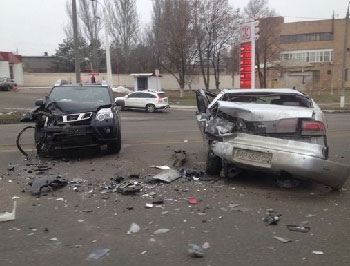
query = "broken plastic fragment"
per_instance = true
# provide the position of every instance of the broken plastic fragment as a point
(43, 182)
(298, 228)
(192, 201)
(161, 167)
(195, 251)
(167, 176)
(149, 205)
(98, 253)
(318, 252)
(161, 231)
(134, 228)
(283, 239)
(272, 218)
(9, 216)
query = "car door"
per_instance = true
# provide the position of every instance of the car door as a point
(202, 98)
(132, 99)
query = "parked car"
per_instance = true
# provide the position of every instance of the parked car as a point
(7, 84)
(147, 100)
(76, 115)
(279, 131)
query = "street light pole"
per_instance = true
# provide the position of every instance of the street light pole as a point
(76, 41)
(342, 96)
(108, 47)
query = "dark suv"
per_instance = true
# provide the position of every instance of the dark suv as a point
(76, 115)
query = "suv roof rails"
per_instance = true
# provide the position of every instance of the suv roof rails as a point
(61, 82)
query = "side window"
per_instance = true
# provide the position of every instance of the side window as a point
(134, 95)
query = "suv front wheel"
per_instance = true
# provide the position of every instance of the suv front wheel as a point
(115, 147)
(150, 108)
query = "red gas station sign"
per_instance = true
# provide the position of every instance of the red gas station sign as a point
(245, 65)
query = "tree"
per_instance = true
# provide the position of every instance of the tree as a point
(124, 26)
(173, 29)
(90, 27)
(215, 24)
(65, 55)
(266, 48)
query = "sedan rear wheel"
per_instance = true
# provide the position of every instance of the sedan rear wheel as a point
(214, 164)
(150, 108)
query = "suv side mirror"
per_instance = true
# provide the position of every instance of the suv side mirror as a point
(119, 102)
(39, 102)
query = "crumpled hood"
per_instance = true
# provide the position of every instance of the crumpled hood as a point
(263, 112)
(74, 107)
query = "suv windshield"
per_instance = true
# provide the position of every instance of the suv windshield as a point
(80, 94)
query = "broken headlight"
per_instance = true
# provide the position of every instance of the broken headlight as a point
(104, 113)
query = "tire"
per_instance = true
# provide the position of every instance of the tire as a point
(214, 164)
(150, 108)
(115, 147)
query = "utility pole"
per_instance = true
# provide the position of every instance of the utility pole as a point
(342, 96)
(76, 41)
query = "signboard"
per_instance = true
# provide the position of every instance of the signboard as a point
(247, 56)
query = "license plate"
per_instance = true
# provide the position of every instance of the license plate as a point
(258, 157)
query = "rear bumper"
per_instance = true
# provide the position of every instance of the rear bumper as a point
(301, 160)
(163, 107)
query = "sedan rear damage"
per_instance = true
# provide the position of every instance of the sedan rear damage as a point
(257, 130)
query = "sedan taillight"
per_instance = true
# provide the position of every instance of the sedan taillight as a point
(313, 128)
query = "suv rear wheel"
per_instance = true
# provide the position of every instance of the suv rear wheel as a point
(150, 108)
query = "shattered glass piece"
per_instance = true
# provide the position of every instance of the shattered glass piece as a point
(167, 176)
(98, 254)
(129, 188)
(283, 239)
(298, 228)
(195, 251)
(161, 231)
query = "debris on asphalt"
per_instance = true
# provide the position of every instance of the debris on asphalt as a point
(318, 252)
(180, 158)
(47, 182)
(161, 167)
(298, 228)
(134, 228)
(11, 167)
(161, 231)
(272, 218)
(206, 245)
(195, 251)
(167, 176)
(98, 254)
(284, 182)
(283, 239)
(191, 174)
(9, 216)
(129, 187)
(192, 201)
(149, 205)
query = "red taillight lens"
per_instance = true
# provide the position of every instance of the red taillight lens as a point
(313, 128)
(159, 98)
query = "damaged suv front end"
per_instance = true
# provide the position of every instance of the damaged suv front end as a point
(279, 131)
(74, 116)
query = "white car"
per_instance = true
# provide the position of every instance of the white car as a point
(147, 100)
(278, 131)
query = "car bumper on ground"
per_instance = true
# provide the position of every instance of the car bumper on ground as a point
(268, 154)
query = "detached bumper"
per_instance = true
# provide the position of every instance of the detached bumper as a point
(267, 154)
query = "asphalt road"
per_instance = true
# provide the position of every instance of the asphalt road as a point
(65, 226)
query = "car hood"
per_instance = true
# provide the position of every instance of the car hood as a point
(74, 107)
(263, 112)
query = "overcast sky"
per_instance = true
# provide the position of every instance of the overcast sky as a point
(32, 27)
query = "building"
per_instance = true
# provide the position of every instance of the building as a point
(11, 66)
(39, 64)
(311, 55)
